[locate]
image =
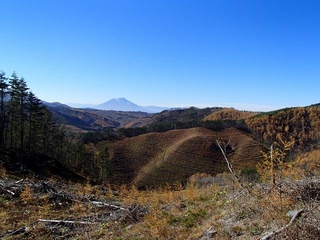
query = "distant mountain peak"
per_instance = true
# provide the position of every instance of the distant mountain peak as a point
(123, 104)
(115, 104)
(120, 99)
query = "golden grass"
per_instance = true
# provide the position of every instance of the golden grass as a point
(173, 211)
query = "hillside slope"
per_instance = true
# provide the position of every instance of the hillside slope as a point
(229, 114)
(156, 158)
(95, 120)
(181, 115)
(300, 124)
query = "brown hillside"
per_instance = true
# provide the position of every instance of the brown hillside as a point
(180, 115)
(155, 158)
(229, 114)
(93, 120)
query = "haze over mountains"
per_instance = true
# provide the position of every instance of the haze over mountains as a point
(120, 104)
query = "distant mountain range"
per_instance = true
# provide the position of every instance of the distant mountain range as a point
(115, 113)
(120, 104)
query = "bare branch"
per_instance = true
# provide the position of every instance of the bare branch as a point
(64, 221)
(8, 191)
(225, 157)
(14, 232)
(101, 204)
(274, 233)
(229, 164)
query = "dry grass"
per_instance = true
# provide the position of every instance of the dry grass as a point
(171, 211)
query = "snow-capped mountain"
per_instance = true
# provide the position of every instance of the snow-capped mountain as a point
(120, 104)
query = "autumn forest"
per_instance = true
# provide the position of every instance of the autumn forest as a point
(191, 173)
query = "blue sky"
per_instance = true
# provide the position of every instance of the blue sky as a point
(253, 55)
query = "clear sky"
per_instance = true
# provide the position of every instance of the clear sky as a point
(248, 54)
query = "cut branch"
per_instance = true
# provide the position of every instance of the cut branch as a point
(63, 221)
(274, 233)
(15, 232)
(229, 164)
(8, 191)
(102, 204)
(86, 201)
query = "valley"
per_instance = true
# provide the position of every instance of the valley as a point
(211, 173)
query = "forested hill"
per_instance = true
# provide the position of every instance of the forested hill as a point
(77, 119)
(30, 140)
(81, 120)
(300, 124)
(27, 127)
(25, 124)
(229, 114)
(181, 115)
